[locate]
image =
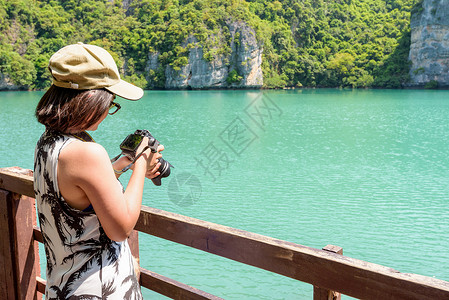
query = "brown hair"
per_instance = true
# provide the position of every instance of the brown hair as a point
(65, 110)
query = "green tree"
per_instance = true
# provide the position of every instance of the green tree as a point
(311, 43)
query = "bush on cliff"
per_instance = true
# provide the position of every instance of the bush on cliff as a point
(311, 43)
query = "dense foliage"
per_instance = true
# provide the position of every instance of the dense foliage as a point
(348, 43)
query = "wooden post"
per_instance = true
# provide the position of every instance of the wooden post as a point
(7, 275)
(324, 294)
(133, 241)
(19, 260)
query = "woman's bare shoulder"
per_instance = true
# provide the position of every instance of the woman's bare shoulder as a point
(82, 157)
(83, 150)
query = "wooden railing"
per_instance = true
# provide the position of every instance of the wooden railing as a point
(327, 270)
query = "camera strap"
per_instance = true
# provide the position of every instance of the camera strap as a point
(83, 136)
(133, 161)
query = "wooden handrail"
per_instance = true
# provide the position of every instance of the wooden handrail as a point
(17, 180)
(156, 282)
(40, 284)
(37, 234)
(172, 288)
(320, 268)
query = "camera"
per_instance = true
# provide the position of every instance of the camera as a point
(132, 142)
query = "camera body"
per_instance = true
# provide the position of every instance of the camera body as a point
(131, 144)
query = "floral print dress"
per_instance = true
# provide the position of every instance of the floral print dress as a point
(82, 262)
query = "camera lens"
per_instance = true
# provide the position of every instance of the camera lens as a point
(164, 169)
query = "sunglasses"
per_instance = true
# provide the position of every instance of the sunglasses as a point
(114, 108)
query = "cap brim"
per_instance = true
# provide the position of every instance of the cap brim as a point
(126, 90)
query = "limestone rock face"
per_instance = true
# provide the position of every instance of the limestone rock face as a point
(246, 54)
(7, 84)
(199, 73)
(126, 6)
(152, 66)
(429, 49)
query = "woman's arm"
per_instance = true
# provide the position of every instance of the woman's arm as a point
(86, 168)
(119, 164)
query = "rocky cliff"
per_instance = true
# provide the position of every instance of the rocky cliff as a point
(245, 57)
(7, 84)
(429, 49)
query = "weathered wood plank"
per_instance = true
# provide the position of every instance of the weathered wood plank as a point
(171, 288)
(40, 285)
(17, 180)
(324, 294)
(148, 279)
(320, 268)
(133, 241)
(7, 275)
(26, 250)
(321, 294)
(37, 234)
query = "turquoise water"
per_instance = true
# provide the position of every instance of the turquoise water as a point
(366, 170)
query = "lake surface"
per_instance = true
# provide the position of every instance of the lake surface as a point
(366, 170)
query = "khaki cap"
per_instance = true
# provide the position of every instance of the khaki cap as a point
(85, 67)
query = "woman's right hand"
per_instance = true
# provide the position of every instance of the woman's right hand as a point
(152, 159)
(153, 163)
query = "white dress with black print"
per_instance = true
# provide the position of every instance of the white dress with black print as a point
(82, 262)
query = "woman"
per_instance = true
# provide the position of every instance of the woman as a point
(84, 214)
